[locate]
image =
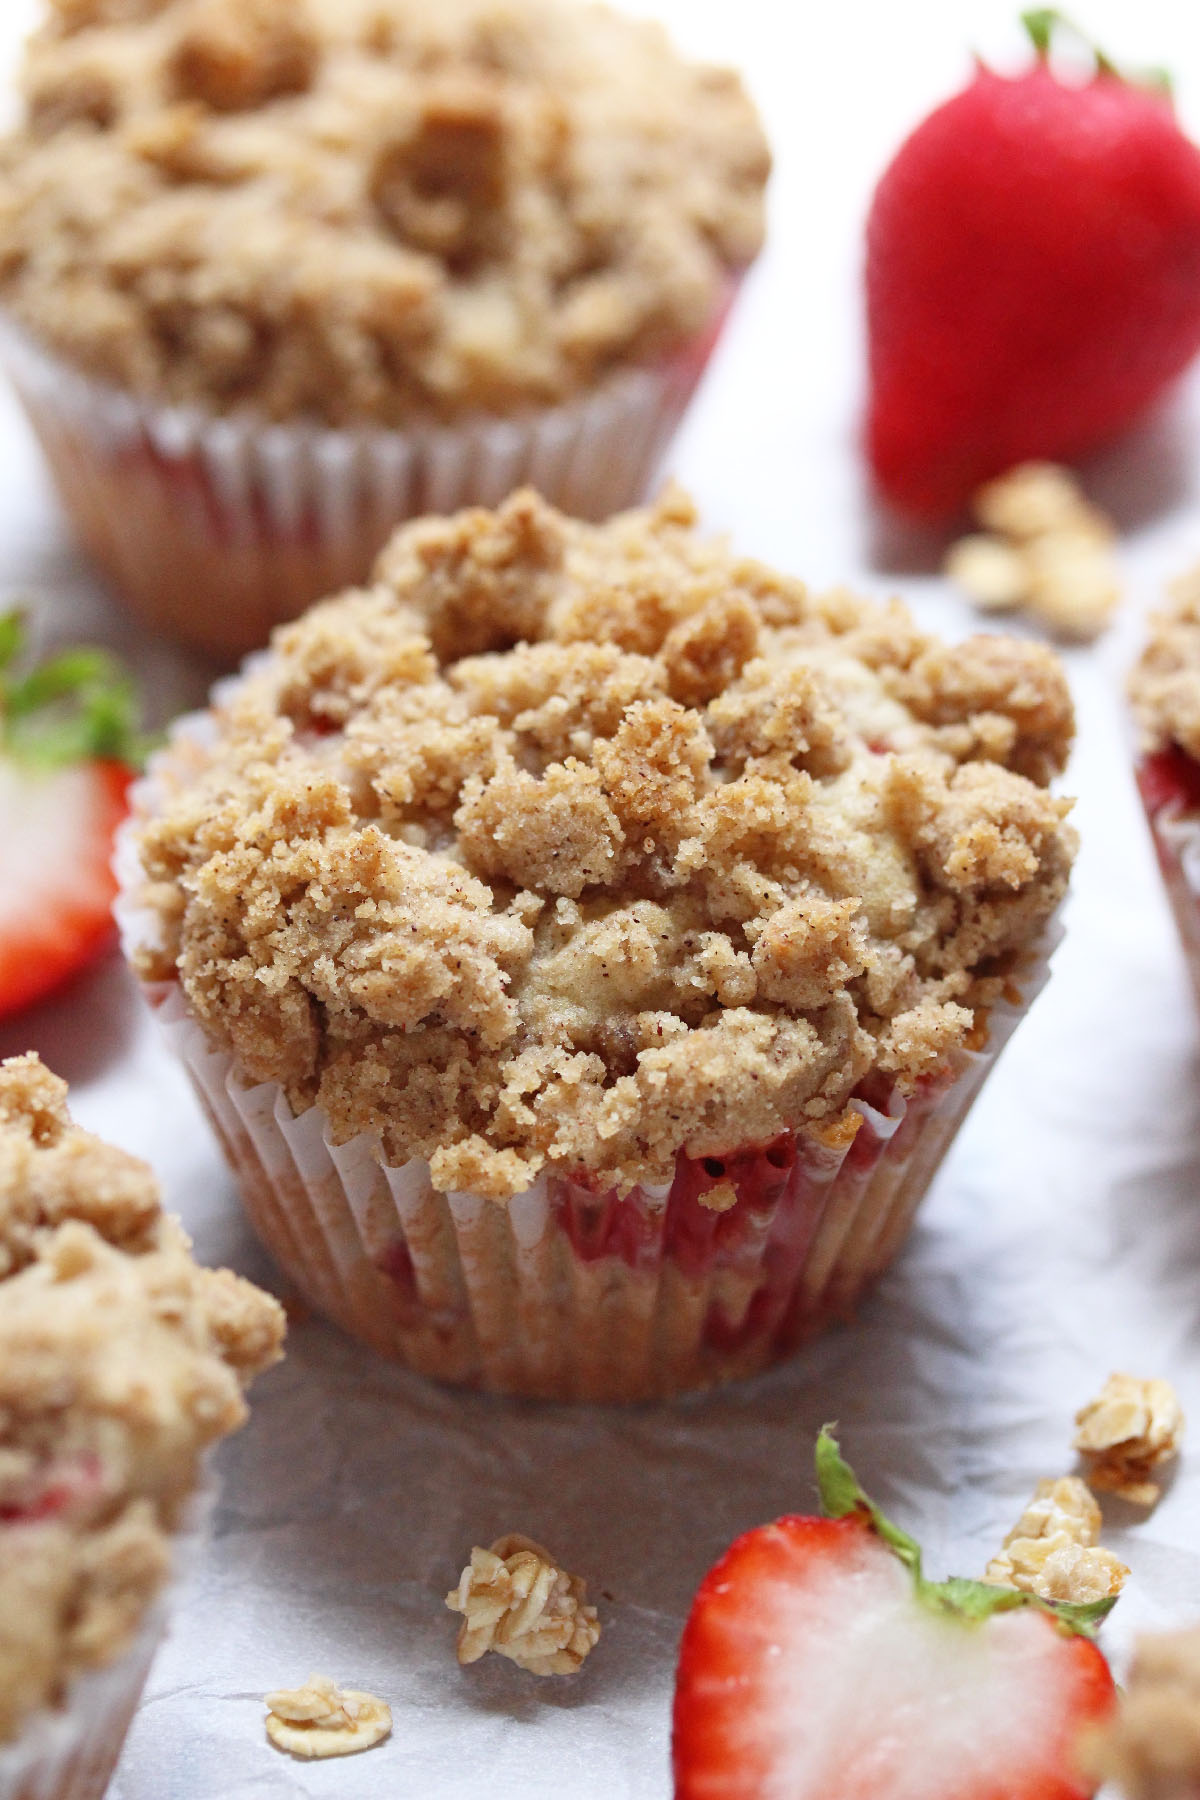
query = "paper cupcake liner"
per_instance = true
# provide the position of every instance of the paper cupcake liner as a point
(216, 529)
(1170, 788)
(69, 1753)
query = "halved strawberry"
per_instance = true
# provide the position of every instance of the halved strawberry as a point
(67, 754)
(818, 1663)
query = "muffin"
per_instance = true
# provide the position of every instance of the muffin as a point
(280, 273)
(121, 1361)
(586, 941)
(1165, 690)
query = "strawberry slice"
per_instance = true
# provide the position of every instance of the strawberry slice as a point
(68, 749)
(818, 1663)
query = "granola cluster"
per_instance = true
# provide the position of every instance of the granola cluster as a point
(1126, 1435)
(1165, 685)
(120, 1362)
(1054, 1550)
(370, 210)
(1044, 547)
(1151, 1750)
(568, 847)
(321, 1719)
(515, 1600)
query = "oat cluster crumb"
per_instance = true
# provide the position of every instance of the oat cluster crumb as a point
(1054, 1550)
(1044, 547)
(1151, 1749)
(322, 1719)
(1126, 1435)
(121, 1360)
(515, 1600)
(1165, 684)
(371, 210)
(567, 847)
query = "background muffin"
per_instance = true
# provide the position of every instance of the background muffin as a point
(295, 269)
(591, 898)
(1165, 690)
(121, 1361)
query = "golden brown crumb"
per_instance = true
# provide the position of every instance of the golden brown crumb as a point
(371, 209)
(120, 1362)
(1165, 684)
(1127, 1433)
(321, 1719)
(526, 907)
(1053, 1549)
(1151, 1749)
(515, 1600)
(1046, 547)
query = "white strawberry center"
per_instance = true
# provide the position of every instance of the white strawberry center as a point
(46, 830)
(868, 1693)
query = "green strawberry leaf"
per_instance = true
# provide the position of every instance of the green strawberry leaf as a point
(78, 706)
(962, 1598)
(1044, 21)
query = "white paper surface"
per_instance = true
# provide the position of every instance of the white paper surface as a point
(1062, 1239)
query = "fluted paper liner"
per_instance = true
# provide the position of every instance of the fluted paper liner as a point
(1176, 835)
(216, 528)
(70, 1752)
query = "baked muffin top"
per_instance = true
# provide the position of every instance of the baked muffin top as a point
(1165, 684)
(1151, 1749)
(370, 210)
(120, 1361)
(567, 847)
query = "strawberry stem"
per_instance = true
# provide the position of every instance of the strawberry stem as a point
(78, 706)
(971, 1602)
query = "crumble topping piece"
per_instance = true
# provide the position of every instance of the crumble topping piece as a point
(1127, 1433)
(1151, 1748)
(1053, 1549)
(371, 210)
(321, 1719)
(989, 570)
(121, 1361)
(568, 847)
(515, 1600)
(1046, 547)
(1165, 683)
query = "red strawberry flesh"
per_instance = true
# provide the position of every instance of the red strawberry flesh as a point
(56, 883)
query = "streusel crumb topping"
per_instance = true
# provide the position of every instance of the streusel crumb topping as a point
(516, 1600)
(1151, 1750)
(1127, 1434)
(570, 847)
(120, 1361)
(321, 1719)
(371, 209)
(1165, 684)
(1054, 1548)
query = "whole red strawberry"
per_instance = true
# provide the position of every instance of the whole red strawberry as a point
(819, 1663)
(1033, 277)
(68, 748)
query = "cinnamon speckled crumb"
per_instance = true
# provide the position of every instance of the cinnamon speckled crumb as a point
(566, 847)
(1165, 684)
(371, 209)
(120, 1362)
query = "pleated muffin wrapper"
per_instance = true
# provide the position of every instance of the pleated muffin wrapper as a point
(1169, 784)
(70, 1752)
(216, 528)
